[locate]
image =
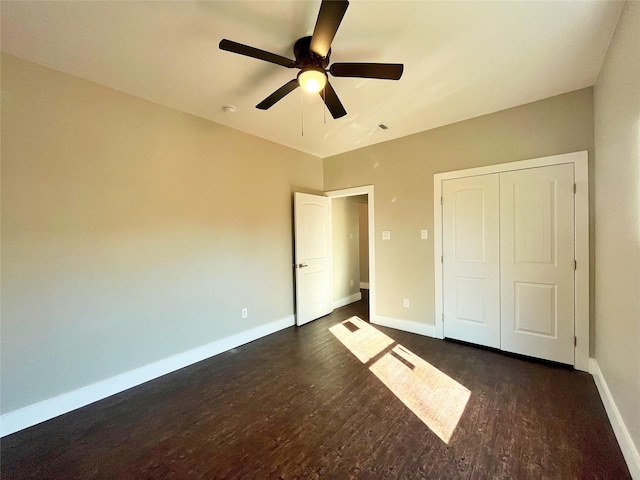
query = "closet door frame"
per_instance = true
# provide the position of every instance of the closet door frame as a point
(581, 238)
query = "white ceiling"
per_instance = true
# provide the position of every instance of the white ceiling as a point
(462, 59)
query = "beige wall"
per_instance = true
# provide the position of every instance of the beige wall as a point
(345, 236)
(363, 217)
(402, 174)
(131, 232)
(617, 190)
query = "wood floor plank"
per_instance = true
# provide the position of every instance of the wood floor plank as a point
(299, 404)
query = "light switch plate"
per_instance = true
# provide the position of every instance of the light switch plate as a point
(424, 234)
(386, 235)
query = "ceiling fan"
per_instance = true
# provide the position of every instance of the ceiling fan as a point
(312, 58)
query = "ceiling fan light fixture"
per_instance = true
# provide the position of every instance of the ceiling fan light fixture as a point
(312, 80)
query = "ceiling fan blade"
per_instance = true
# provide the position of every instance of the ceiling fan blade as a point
(278, 95)
(332, 101)
(329, 18)
(384, 71)
(235, 47)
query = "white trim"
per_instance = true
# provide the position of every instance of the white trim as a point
(629, 450)
(39, 412)
(405, 325)
(364, 285)
(580, 161)
(347, 300)
(437, 256)
(581, 286)
(510, 166)
(352, 192)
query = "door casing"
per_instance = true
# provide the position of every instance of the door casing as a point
(580, 162)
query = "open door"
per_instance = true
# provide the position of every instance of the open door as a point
(313, 262)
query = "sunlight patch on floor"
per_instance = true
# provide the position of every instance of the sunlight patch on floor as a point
(434, 397)
(364, 341)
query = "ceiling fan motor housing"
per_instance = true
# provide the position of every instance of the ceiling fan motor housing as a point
(305, 58)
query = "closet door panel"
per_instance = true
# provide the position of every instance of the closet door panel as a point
(537, 262)
(471, 263)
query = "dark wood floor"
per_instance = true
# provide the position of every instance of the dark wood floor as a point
(298, 404)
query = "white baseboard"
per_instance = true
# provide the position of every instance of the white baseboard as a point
(364, 285)
(629, 450)
(39, 412)
(406, 325)
(347, 300)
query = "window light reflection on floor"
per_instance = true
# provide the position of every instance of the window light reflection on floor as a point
(434, 397)
(363, 340)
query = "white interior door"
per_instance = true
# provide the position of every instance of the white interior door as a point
(471, 259)
(537, 258)
(313, 263)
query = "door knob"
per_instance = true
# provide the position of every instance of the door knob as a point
(302, 265)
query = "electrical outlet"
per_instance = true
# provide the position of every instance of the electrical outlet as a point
(352, 283)
(405, 303)
(245, 313)
(386, 235)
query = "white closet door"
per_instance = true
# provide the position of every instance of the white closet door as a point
(537, 262)
(471, 264)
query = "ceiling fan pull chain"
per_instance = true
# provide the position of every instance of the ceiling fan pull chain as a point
(301, 113)
(324, 110)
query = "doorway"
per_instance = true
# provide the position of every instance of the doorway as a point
(349, 249)
(363, 194)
